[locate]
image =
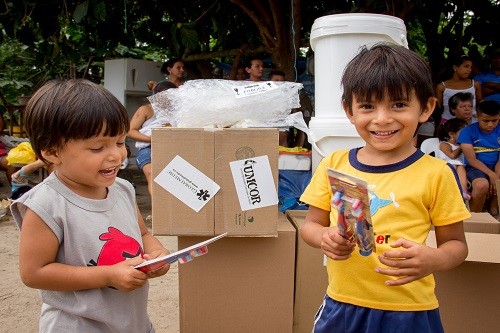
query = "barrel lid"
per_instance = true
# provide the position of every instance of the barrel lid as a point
(358, 23)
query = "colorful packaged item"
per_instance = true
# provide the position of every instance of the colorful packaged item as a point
(351, 200)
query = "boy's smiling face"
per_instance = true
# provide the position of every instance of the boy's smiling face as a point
(388, 126)
(89, 166)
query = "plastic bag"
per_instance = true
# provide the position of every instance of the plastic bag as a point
(291, 184)
(223, 103)
(23, 153)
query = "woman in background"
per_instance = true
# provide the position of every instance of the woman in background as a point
(459, 82)
(142, 122)
(174, 69)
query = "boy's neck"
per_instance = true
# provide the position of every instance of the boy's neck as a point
(370, 156)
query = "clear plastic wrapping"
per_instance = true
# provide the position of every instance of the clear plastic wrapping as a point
(224, 103)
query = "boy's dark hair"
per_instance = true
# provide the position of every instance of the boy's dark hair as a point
(457, 98)
(276, 72)
(452, 125)
(489, 107)
(163, 85)
(386, 69)
(169, 63)
(72, 110)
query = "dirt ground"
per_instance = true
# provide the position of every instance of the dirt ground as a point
(20, 305)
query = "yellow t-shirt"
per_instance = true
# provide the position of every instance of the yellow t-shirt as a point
(405, 199)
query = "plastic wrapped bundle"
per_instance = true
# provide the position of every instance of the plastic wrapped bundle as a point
(223, 103)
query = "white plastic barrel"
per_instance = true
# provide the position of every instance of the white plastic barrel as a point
(336, 39)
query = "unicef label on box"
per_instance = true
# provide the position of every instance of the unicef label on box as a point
(254, 183)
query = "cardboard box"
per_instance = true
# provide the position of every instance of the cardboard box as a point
(497, 183)
(210, 151)
(311, 278)
(241, 284)
(468, 294)
(482, 223)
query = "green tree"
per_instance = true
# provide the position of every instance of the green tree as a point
(71, 38)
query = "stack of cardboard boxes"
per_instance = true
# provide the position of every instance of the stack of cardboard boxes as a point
(468, 294)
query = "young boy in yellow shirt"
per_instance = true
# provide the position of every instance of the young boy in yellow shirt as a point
(388, 91)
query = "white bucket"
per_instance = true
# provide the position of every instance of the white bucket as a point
(330, 134)
(336, 39)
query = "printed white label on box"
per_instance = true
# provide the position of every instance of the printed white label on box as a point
(254, 182)
(187, 183)
(254, 88)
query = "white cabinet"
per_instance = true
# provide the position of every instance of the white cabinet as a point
(130, 76)
(127, 80)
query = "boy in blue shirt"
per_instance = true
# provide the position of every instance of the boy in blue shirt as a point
(479, 143)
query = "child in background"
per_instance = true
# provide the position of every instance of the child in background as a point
(276, 75)
(461, 107)
(81, 230)
(450, 152)
(480, 145)
(387, 92)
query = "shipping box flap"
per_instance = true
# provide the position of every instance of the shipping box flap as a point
(482, 223)
(483, 248)
(234, 144)
(171, 215)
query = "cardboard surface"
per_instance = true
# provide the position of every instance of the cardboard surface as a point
(497, 183)
(468, 294)
(241, 285)
(482, 223)
(237, 144)
(210, 151)
(170, 215)
(311, 278)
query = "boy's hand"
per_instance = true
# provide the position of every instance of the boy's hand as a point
(335, 246)
(124, 277)
(408, 262)
(162, 270)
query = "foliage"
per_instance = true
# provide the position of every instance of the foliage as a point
(16, 79)
(47, 39)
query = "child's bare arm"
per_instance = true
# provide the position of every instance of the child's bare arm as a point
(410, 261)
(39, 269)
(448, 151)
(28, 169)
(318, 233)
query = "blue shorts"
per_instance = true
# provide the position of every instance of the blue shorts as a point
(143, 157)
(337, 317)
(473, 173)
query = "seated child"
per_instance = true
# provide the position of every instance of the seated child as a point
(461, 106)
(479, 143)
(451, 152)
